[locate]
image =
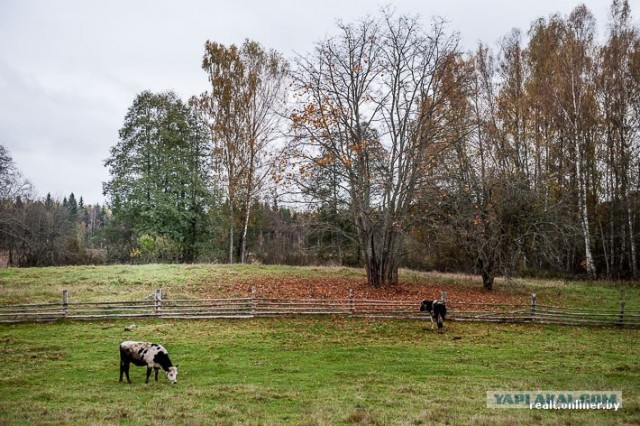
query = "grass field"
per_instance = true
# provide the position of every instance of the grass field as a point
(311, 371)
(126, 282)
(314, 371)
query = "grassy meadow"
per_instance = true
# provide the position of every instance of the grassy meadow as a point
(318, 371)
(307, 371)
(132, 282)
(129, 282)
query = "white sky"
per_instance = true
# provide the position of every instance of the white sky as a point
(70, 69)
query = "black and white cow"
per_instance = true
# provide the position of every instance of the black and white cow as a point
(151, 355)
(437, 310)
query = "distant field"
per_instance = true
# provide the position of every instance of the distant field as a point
(311, 371)
(122, 282)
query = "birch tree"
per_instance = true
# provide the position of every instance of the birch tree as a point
(617, 91)
(248, 89)
(575, 97)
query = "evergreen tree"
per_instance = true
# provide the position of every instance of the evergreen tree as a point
(72, 205)
(48, 201)
(159, 173)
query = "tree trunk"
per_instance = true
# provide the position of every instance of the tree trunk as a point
(245, 227)
(189, 251)
(633, 261)
(231, 244)
(488, 273)
(381, 263)
(232, 221)
(605, 250)
(584, 213)
(487, 280)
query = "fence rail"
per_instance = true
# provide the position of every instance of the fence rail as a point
(252, 307)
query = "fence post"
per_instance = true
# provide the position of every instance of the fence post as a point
(443, 297)
(533, 306)
(65, 303)
(158, 300)
(621, 320)
(351, 306)
(253, 301)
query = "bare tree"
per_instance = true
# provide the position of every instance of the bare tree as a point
(370, 107)
(12, 183)
(482, 193)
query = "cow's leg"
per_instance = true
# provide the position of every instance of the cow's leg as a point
(124, 368)
(148, 374)
(121, 364)
(156, 368)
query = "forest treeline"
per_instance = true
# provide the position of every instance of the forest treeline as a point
(386, 146)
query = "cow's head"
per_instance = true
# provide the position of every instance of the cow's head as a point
(426, 306)
(172, 374)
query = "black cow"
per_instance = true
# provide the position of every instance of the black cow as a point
(152, 355)
(437, 310)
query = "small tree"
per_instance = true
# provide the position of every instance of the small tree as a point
(12, 183)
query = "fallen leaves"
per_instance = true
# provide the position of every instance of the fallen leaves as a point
(298, 287)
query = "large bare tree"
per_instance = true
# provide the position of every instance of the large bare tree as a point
(369, 107)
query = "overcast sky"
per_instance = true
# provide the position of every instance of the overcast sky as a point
(69, 69)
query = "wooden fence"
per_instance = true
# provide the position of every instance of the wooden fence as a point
(156, 306)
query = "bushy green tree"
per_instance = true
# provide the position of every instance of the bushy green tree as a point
(160, 172)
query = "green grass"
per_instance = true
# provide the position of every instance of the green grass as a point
(315, 371)
(130, 282)
(567, 293)
(311, 371)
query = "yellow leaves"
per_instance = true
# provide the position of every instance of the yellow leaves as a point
(296, 119)
(305, 170)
